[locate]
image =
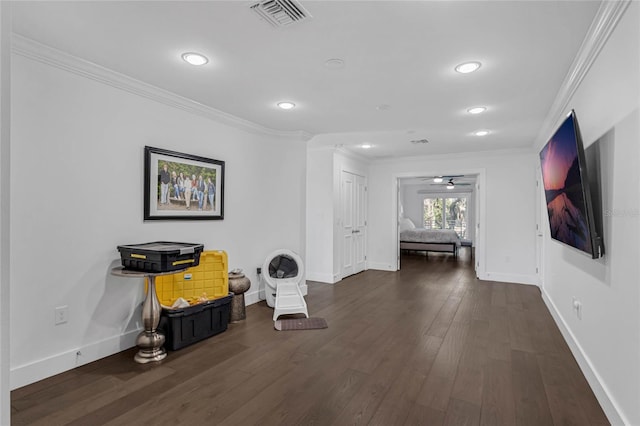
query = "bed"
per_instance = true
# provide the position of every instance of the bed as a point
(434, 240)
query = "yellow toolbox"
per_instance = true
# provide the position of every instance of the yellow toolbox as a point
(210, 277)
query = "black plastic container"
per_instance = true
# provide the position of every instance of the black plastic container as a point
(160, 256)
(184, 326)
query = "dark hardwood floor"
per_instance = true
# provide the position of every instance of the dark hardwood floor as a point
(428, 345)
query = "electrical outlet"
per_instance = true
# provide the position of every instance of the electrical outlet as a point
(577, 307)
(61, 314)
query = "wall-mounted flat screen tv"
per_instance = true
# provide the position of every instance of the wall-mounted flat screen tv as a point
(566, 188)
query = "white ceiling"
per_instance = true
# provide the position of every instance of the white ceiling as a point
(396, 53)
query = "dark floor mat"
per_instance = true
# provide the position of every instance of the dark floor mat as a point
(300, 324)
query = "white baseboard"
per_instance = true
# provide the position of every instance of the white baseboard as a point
(32, 372)
(381, 266)
(321, 277)
(252, 297)
(610, 408)
(509, 278)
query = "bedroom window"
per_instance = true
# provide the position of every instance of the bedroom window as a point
(446, 213)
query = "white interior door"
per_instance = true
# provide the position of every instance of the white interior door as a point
(399, 214)
(477, 236)
(360, 224)
(347, 188)
(354, 223)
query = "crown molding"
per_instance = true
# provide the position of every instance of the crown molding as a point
(339, 149)
(319, 148)
(524, 152)
(604, 23)
(48, 55)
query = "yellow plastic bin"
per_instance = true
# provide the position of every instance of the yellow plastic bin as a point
(201, 320)
(211, 276)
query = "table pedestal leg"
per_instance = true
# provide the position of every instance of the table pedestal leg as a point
(150, 341)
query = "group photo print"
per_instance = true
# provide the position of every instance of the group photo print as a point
(182, 186)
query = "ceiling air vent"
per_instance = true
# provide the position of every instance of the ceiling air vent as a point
(419, 141)
(281, 13)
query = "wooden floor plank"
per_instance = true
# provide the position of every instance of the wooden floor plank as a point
(191, 363)
(95, 400)
(519, 331)
(498, 340)
(498, 405)
(401, 397)
(328, 406)
(462, 413)
(190, 398)
(363, 406)
(564, 406)
(498, 295)
(427, 345)
(445, 315)
(420, 415)
(531, 403)
(436, 391)
(469, 380)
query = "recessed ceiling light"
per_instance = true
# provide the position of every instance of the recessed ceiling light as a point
(481, 133)
(334, 63)
(437, 179)
(476, 110)
(286, 105)
(194, 58)
(366, 146)
(468, 67)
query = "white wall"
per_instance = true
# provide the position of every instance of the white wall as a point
(5, 167)
(606, 341)
(413, 203)
(507, 186)
(77, 193)
(320, 215)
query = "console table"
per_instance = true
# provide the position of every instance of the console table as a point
(149, 340)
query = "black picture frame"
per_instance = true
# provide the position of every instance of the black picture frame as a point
(174, 204)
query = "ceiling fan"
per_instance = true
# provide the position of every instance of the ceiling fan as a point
(440, 179)
(450, 184)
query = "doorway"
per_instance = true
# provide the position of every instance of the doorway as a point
(424, 199)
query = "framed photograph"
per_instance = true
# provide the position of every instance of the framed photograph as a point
(181, 186)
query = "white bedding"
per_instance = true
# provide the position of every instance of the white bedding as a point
(422, 235)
